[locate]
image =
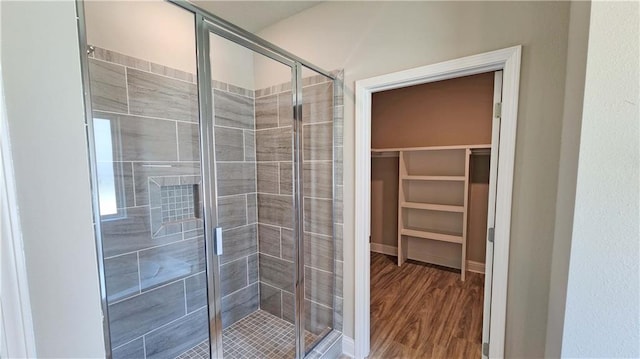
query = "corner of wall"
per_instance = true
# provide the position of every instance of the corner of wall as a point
(578, 35)
(43, 95)
(602, 313)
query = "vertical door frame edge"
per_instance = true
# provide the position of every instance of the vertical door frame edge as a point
(14, 281)
(93, 172)
(209, 175)
(298, 207)
(507, 60)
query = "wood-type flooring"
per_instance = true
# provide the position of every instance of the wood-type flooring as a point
(424, 311)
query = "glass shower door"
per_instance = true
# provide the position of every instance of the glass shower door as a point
(319, 192)
(253, 143)
(147, 161)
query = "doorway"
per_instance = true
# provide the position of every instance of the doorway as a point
(507, 60)
(431, 154)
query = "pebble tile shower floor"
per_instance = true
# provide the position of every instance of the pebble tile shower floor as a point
(258, 335)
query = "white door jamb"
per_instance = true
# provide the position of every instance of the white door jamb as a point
(507, 60)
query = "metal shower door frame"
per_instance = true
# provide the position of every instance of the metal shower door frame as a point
(205, 27)
(208, 24)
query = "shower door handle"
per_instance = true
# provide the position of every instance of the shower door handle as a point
(218, 240)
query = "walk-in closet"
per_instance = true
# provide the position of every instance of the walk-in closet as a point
(431, 152)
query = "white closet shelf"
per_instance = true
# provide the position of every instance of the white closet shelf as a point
(433, 207)
(433, 178)
(436, 236)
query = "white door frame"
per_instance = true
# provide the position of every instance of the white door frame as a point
(507, 60)
(17, 339)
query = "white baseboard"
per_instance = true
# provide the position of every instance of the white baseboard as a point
(384, 249)
(476, 267)
(472, 266)
(348, 346)
(434, 259)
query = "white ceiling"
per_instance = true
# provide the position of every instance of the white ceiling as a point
(254, 16)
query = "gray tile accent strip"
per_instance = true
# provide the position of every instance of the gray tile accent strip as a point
(118, 58)
(171, 72)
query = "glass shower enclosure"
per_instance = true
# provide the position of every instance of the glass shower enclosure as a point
(214, 190)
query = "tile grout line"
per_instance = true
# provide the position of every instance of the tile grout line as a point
(195, 123)
(148, 69)
(155, 246)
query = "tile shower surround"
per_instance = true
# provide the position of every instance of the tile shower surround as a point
(159, 137)
(323, 296)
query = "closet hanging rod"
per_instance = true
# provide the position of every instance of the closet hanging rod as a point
(384, 154)
(433, 148)
(481, 152)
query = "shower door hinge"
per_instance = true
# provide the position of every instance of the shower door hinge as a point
(491, 234)
(485, 349)
(90, 50)
(497, 109)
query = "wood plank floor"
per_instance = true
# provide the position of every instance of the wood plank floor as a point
(424, 311)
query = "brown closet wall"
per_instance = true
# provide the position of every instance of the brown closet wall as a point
(384, 201)
(444, 113)
(478, 203)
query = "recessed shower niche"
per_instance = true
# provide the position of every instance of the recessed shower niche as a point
(174, 202)
(217, 159)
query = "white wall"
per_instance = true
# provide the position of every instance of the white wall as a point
(41, 71)
(372, 38)
(156, 31)
(603, 296)
(16, 324)
(163, 33)
(568, 169)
